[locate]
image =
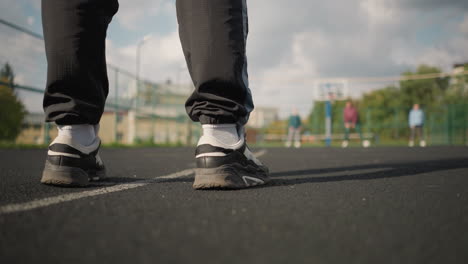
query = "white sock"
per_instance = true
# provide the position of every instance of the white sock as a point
(224, 133)
(82, 134)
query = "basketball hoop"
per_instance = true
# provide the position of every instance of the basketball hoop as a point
(331, 90)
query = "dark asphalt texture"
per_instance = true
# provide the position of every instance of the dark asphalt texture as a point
(376, 205)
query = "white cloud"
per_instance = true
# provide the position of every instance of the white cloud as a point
(379, 12)
(287, 85)
(355, 38)
(291, 40)
(26, 56)
(429, 56)
(161, 58)
(10, 10)
(133, 13)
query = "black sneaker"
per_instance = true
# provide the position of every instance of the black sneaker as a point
(71, 164)
(227, 167)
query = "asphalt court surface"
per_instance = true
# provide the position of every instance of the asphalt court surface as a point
(324, 205)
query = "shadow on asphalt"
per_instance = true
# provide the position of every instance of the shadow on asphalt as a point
(285, 177)
(392, 170)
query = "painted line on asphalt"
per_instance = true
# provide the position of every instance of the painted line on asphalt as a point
(44, 202)
(260, 153)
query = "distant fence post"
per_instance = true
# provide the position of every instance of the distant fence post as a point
(395, 123)
(465, 120)
(449, 125)
(46, 133)
(429, 129)
(328, 123)
(153, 114)
(368, 119)
(116, 100)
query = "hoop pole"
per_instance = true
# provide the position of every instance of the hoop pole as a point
(328, 123)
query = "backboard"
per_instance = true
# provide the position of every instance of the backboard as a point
(331, 90)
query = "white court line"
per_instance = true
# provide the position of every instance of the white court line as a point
(44, 202)
(260, 153)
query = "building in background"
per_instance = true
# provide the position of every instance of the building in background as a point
(262, 117)
(156, 114)
(459, 67)
(34, 130)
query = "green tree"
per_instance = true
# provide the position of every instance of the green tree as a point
(458, 90)
(316, 119)
(7, 75)
(385, 111)
(427, 92)
(381, 110)
(12, 110)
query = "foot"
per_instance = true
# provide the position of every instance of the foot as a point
(297, 144)
(422, 143)
(71, 164)
(344, 144)
(366, 143)
(222, 166)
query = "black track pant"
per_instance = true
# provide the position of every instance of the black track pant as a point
(213, 35)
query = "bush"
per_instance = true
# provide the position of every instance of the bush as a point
(11, 114)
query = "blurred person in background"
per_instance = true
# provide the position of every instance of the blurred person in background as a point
(351, 121)
(294, 130)
(416, 123)
(213, 34)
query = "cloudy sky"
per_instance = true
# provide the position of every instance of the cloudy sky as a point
(291, 43)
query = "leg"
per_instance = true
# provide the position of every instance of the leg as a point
(420, 132)
(77, 85)
(359, 131)
(290, 137)
(345, 142)
(297, 137)
(365, 143)
(346, 135)
(213, 34)
(412, 133)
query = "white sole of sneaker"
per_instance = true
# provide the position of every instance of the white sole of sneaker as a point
(67, 176)
(228, 177)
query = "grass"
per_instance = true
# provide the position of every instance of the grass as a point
(337, 144)
(13, 145)
(148, 144)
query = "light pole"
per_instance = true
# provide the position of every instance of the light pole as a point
(189, 122)
(138, 52)
(132, 121)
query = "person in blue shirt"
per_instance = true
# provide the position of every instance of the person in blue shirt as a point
(294, 130)
(416, 123)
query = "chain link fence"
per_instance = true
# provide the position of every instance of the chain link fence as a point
(136, 111)
(143, 112)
